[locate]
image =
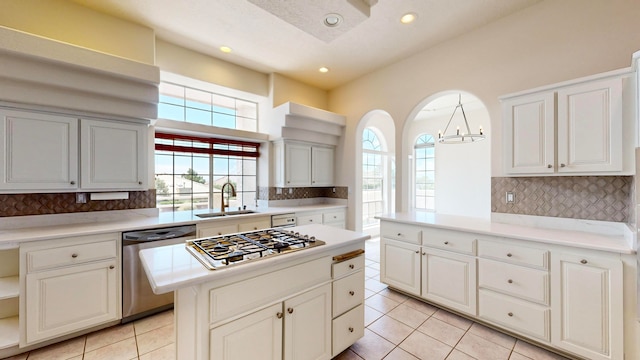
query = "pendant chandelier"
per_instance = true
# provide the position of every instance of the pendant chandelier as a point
(458, 137)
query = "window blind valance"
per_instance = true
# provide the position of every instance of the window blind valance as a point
(205, 145)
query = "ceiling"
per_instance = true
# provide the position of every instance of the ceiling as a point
(289, 37)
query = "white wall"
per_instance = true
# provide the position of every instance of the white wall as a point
(546, 43)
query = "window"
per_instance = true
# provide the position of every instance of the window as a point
(373, 178)
(182, 103)
(425, 179)
(190, 172)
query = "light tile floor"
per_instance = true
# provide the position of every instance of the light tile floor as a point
(398, 328)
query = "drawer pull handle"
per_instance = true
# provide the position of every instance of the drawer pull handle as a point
(509, 254)
(583, 261)
(350, 329)
(510, 314)
(510, 281)
(348, 256)
(290, 310)
(111, 267)
(351, 293)
(446, 243)
(279, 315)
(74, 255)
(351, 266)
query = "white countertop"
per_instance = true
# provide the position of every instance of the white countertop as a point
(44, 227)
(581, 239)
(172, 267)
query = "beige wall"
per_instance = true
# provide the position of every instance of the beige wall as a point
(284, 89)
(74, 24)
(549, 42)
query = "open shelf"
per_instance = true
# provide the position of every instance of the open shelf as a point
(9, 334)
(9, 287)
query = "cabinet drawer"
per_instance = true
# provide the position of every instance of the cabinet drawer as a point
(402, 232)
(347, 267)
(518, 315)
(309, 219)
(217, 230)
(348, 292)
(456, 241)
(525, 283)
(514, 253)
(347, 329)
(255, 225)
(38, 260)
(334, 216)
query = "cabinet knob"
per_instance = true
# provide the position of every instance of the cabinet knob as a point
(399, 234)
(509, 254)
(350, 329)
(417, 252)
(510, 314)
(290, 310)
(72, 182)
(352, 293)
(111, 267)
(351, 266)
(310, 220)
(446, 243)
(313, 182)
(510, 281)
(563, 165)
(139, 182)
(279, 315)
(549, 166)
(219, 233)
(583, 261)
(424, 253)
(74, 255)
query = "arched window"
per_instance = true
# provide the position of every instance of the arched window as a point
(373, 178)
(425, 172)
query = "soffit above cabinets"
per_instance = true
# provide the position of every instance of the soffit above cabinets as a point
(292, 121)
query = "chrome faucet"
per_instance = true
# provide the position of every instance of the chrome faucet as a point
(233, 193)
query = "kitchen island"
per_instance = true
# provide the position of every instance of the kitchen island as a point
(568, 290)
(305, 304)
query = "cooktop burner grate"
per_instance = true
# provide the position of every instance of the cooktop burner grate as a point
(226, 250)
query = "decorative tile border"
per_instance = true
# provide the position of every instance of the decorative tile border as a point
(605, 198)
(60, 203)
(271, 193)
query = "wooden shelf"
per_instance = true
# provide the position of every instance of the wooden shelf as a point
(9, 287)
(9, 334)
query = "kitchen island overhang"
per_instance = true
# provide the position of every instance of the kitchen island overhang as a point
(209, 300)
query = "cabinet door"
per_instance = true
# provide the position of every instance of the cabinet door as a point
(70, 299)
(40, 151)
(590, 127)
(255, 336)
(400, 265)
(322, 160)
(449, 279)
(297, 165)
(308, 325)
(529, 131)
(114, 155)
(587, 305)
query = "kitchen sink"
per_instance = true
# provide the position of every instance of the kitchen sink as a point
(226, 213)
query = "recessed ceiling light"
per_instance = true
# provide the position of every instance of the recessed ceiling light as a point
(225, 49)
(332, 20)
(408, 18)
(323, 69)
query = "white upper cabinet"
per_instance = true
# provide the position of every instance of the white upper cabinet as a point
(113, 155)
(298, 164)
(578, 128)
(39, 151)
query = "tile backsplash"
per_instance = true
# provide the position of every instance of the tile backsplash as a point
(274, 193)
(60, 203)
(605, 198)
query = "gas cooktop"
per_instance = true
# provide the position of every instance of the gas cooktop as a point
(228, 250)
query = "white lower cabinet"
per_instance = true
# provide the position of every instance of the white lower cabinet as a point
(588, 305)
(66, 300)
(332, 217)
(566, 298)
(68, 285)
(348, 303)
(224, 226)
(298, 328)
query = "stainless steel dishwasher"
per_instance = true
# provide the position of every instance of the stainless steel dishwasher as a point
(138, 300)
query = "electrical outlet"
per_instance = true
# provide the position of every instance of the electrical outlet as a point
(510, 197)
(278, 191)
(81, 198)
(334, 190)
(290, 191)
